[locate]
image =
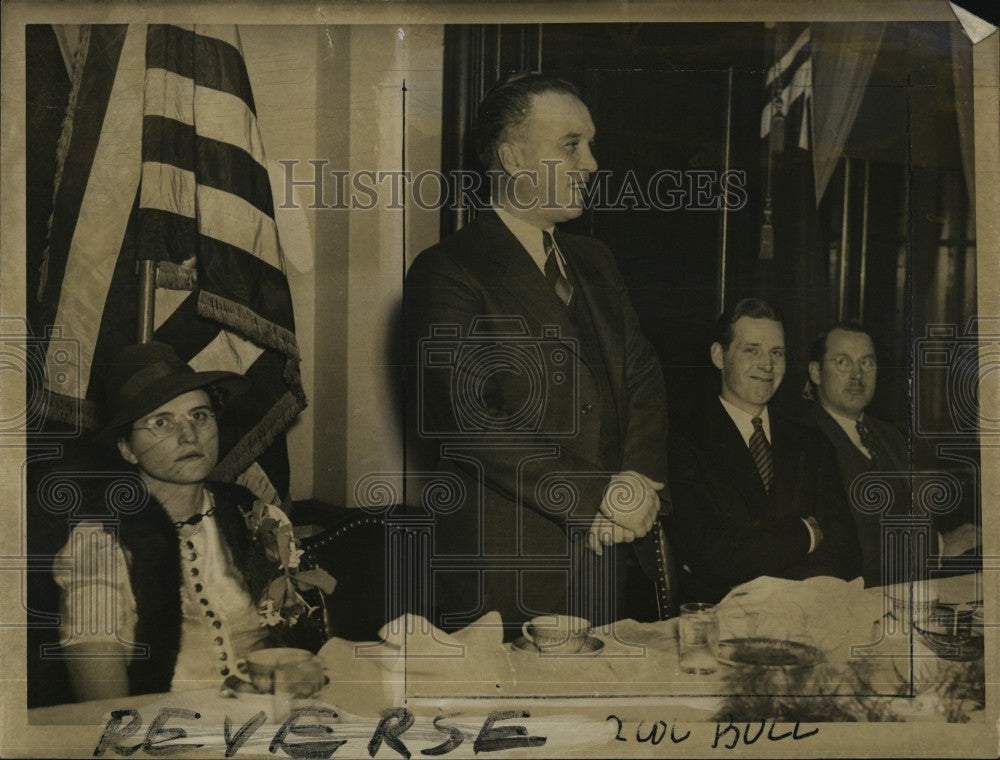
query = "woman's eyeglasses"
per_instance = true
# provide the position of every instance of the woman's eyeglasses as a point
(166, 424)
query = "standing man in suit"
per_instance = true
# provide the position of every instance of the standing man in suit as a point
(842, 374)
(754, 493)
(534, 384)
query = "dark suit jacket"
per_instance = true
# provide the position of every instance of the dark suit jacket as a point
(537, 476)
(727, 529)
(893, 457)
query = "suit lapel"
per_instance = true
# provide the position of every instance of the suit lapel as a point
(842, 443)
(785, 455)
(586, 278)
(888, 458)
(522, 281)
(732, 454)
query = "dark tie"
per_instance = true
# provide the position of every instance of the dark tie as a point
(760, 450)
(555, 277)
(867, 439)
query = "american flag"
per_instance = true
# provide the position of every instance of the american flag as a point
(160, 158)
(790, 81)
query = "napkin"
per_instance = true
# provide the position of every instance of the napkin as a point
(828, 613)
(415, 658)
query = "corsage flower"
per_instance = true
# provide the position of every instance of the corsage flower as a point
(282, 602)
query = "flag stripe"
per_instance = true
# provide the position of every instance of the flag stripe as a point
(793, 57)
(186, 330)
(269, 294)
(80, 137)
(221, 165)
(209, 61)
(167, 236)
(800, 85)
(221, 116)
(220, 215)
(788, 75)
(270, 407)
(104, 213)
(227, 351)
(224, 268)
(177, 176)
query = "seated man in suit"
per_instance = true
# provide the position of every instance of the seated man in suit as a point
(842, 374)
(533, 385)
(754, 493)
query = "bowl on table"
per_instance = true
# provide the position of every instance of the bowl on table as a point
(262, 663)
(911, 602)
(952, 634)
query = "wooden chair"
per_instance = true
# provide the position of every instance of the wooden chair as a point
(353, 552)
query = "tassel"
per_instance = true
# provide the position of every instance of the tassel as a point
(766, 236)
(777, 128)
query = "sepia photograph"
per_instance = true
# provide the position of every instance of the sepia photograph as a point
(539, 379)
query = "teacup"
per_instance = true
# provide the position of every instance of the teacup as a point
(262, 663)
(557, 634)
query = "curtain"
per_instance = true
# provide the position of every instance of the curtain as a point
(843, 56)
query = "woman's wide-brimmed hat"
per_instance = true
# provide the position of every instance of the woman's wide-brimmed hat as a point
(146, 375)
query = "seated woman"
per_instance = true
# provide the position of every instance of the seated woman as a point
(165, 597)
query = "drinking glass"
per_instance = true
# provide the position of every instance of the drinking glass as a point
(697, 630)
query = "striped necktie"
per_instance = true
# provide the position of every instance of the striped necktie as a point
(760, 450)
(867, 440)
(552, 273)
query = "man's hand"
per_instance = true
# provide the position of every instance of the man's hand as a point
(960, 540)
(632, 501)
(603, 533)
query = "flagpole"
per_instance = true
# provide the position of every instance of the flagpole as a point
(147, 288)
(724, 220)
(402, 159)
(863, 266)
(844, 242)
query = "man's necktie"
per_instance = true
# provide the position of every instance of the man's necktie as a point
(555, 277)
(867, 439)
(760, 450)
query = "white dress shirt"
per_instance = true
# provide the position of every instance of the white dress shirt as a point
(744, 421)
(530, 237)
(850, 427)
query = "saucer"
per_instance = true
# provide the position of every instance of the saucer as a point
(591, 646)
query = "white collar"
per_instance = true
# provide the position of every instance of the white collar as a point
(529, 236)
(743, 421)
(850, 426)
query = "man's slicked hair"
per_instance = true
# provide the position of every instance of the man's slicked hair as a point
(817, 349)
(505, 107)
(754, 308)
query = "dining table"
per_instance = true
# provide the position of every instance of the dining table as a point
(421, 691)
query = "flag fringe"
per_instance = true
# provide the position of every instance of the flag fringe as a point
(62, 150)
(253, 444)
(248, 323)
(175, 276)
(79, 412)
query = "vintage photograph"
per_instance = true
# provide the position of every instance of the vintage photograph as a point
(532, 379)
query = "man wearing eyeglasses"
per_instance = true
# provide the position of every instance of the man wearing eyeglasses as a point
(842, 374)
(755, 492)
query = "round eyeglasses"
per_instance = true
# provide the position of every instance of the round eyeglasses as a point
(166, 424)
(845, 364)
